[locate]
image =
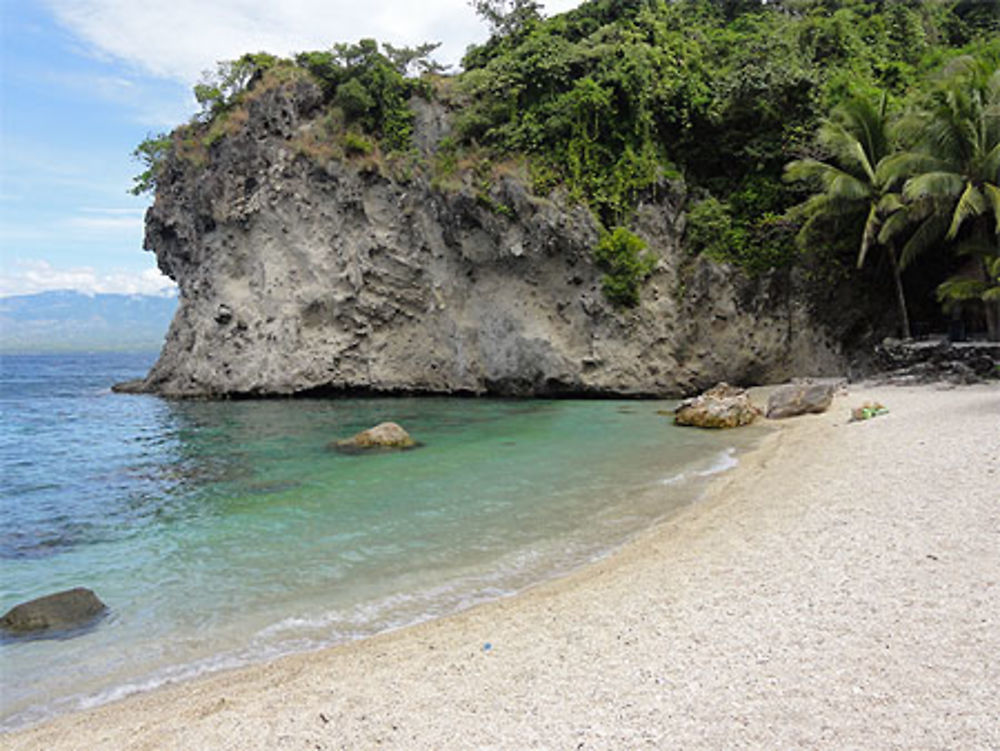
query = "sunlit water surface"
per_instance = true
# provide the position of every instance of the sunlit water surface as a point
(222, 533)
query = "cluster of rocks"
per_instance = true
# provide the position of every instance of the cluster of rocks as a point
(725, 406)
(905, 362)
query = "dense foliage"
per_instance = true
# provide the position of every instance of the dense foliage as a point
(621, 254)
(619, 99)
(367, 91)
(928, 180)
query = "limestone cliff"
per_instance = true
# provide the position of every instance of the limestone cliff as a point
(300, 274)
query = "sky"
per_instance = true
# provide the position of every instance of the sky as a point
(82, 82)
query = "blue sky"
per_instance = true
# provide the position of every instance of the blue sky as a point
(83, 81)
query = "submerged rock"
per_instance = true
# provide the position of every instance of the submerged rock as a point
(799, 399)
(383, 435)
(63, 611)
(722, 406)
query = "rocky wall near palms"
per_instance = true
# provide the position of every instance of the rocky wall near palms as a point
(300, 274)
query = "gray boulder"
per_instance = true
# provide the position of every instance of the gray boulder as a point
(383, 435)
(799, 399)
(62, 611)
(722, 406)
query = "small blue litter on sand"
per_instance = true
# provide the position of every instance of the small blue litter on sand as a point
(487, 647)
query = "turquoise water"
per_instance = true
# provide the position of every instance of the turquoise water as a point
(221, 533)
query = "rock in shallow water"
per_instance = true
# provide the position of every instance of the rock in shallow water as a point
(722, 406)
(383, 435)
(59, 612)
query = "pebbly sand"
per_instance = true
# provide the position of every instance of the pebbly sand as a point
(839, 589)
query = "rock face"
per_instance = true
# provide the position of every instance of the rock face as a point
(300, 273)
(383, 435)
(933, 360)
(799, 399)
(722, 406)
(59, 612)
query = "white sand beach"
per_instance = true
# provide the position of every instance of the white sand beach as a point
(839, 589)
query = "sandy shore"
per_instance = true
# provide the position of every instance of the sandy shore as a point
(839, 589)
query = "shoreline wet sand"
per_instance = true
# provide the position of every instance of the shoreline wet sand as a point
(838, 589)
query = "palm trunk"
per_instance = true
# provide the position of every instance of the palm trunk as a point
(990, 308)
(993, 321)
(897, 277)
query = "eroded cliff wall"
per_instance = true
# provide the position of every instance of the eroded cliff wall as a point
(299, 274)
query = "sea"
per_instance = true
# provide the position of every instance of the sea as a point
(223, 533)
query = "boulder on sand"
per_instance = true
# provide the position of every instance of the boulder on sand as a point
(62, 611)
(383, 435)
(722, 406)
(799, 399)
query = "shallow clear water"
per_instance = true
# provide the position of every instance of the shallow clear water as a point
(225, 532)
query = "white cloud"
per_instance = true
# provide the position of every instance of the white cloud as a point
(183, 38)
(28, 277)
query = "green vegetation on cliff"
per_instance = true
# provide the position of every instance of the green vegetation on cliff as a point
(619, 100)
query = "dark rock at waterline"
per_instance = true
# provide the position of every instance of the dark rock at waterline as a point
(799, 399)
(135, 386)
(722, 406)
(52, 614)
(386, 435)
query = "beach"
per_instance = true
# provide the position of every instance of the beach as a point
(840, 588)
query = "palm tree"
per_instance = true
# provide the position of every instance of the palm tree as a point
(858, 184)
(961, 288)
(953, 190)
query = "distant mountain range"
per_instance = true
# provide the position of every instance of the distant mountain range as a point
(68, 321)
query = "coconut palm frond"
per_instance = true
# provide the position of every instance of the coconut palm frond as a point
(981, 247)
(846, 187)
(993, 268)
(836, 140)
(936, 185)
(858, 154)
(960, 288)
(992, 194)
(993, 85)
(890, 203)
(802, 170)
(865, 123)
(805, 231)
(894, 224)
(928, 233)
(959, 67)
(991, 162)
(869, 234)
(907, 164)
(970, 204)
